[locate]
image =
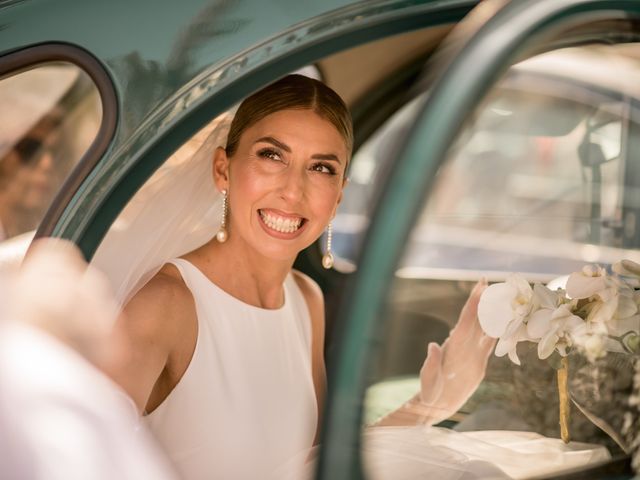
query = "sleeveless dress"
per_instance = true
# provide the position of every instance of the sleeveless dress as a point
(246, 405)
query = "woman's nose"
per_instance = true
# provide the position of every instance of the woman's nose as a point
(293, 186)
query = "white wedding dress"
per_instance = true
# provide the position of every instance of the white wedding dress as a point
(246, 404)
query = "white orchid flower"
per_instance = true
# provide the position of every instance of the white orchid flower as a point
(608, 296)
(627, 268)
(613, 335)
(592, 339)
(591, 281)
(556, 330)
(597, 313)
(507, 343)
(594, 347)
(619, 306)
(547, 301)
(503, 311)
(628, 300)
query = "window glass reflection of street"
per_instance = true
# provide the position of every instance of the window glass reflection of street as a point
(538, 181)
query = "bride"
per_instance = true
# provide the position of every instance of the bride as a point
(226, 361)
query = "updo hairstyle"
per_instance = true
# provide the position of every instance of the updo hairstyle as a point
(293, 92)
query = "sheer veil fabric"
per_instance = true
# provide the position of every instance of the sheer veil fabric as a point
(178, 209)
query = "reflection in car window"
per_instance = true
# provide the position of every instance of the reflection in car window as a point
(542, 181)
(50, 115)
(561, 133)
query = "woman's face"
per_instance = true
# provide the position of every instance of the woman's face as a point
(284, 181)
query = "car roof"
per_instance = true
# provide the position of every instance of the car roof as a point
(169, 46)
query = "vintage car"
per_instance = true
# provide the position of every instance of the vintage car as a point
(491, 137)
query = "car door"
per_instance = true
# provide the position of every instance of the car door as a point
(495, 38)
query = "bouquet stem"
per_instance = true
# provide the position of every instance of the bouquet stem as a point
(563, 394)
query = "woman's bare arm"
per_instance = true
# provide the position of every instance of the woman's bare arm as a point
(150, 332)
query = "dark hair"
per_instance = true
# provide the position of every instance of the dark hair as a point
(293, 92)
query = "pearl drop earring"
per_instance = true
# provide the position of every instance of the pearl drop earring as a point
(222, 235)
(327, 258)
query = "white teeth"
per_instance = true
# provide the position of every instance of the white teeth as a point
(280, 224)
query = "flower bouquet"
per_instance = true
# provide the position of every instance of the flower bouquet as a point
(597, 312)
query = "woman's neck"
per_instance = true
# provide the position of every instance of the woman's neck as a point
(243, 273)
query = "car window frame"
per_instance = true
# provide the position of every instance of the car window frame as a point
(31, 57)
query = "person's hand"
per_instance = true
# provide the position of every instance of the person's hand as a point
(452, 372)
(56, 291)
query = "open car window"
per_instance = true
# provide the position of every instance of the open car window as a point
(50, 115)
(542, 181)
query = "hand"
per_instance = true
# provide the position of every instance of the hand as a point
(56, 291)
(452, 372)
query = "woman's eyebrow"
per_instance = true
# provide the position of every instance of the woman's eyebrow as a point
(287, 148)
(326, 156)
(275, 142)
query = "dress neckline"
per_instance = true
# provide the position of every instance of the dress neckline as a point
(233, 299)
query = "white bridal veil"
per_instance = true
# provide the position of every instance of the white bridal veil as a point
(177, 210)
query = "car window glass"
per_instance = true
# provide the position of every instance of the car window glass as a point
(542, 181)
(49, 115)
(507, 130)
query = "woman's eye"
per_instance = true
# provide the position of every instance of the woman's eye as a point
(270, 154)
(323, 168)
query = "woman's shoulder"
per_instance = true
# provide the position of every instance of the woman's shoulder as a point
(310, 289)
(160, 304)
(314, 299)
(165, 288)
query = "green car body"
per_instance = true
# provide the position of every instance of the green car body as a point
(164, 69)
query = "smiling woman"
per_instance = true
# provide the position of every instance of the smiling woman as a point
(227, 339)
(227, 358)
(227, 362)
